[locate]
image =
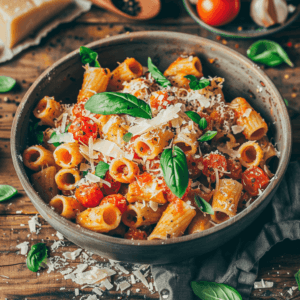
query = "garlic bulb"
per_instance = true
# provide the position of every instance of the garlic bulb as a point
(268, 12)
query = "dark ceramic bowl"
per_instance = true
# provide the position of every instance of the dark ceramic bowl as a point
(242, 78)
(249, 28)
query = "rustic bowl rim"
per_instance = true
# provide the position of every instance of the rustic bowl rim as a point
(231, 34)
(73, 228)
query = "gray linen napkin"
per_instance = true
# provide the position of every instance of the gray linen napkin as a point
(236, 263)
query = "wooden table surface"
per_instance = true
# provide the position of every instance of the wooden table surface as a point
(279, 265)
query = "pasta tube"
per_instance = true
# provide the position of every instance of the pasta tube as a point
(226, 200)
(126, 71)
(67, 207)
(250, 154)
(214, 90)
(138, 215)
(95, 80)
(200, 223)
(123, 170)
(152, 143)
(179, 80)
(47, 110)
(45, 184)
(268, 149)
(102, 218)
(67, 155)
(186, 66)
(173, 223)
(66, 179)
(37, 157)
(254, 125)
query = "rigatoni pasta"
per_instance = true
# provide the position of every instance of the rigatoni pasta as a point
(165, 157)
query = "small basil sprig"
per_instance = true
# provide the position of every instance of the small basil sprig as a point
(203, 205)
(207, 136)
(89, 56)
(212, 291)
(268, 53)
(67, 127)
(297, 277)
(196, 84)
(6, 84)
(286, 102)
(101, 169)
(157, 75)
(55, 137)
(109, 103)
(36, 135)
(36, 256)
(127, 137)
(197, 119)
(175, 170)
(7, 192)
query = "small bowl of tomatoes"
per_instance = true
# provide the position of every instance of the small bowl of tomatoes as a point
(231, 18)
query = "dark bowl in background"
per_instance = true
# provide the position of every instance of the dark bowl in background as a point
(249, 28)
(242, 78)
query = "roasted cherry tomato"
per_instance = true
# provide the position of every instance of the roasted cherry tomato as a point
(218, 12)
(83, 128)
(135, 234)
(255, 179)
(211, 162)
(115, 185)
(89, 195)
(118, 200)
(235, 169)
(170, 196)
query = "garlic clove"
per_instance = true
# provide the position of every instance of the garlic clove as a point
(268, 12)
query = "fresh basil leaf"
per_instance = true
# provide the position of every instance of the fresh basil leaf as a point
(268, 53)
(127, 137)
(208, 135)
(89, 56)
(157, 75)
(175, 170)
(297, 277)
(7, 192)
(109, 103)
(101, 169)
(203, 205)
(36, 256)
(67, 127)
(193, 116)
(84, 173)
(202, 124)
(214, 291)
(6, 84)
(55, 139)
(196, 84)
(286, 102)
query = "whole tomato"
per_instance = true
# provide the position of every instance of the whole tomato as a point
(218, 12)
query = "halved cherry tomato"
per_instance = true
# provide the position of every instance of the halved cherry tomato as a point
(83, 128)
(170, 196)
(118, 200)
(218, 12)
(235, 169)
(135, 234)
(89, 195)
(115, 185)
(254, 179)
(214, 161)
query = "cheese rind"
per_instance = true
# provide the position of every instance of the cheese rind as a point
(19, 18)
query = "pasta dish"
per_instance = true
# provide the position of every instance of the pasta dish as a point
(147, 155)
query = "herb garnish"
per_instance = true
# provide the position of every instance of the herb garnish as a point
(175, 170)
(6, 84)
(127, 137)
(212, 291)
(203, 205)
(268, 53)
(109, 103)
(286, 102)
(196, 84)
(101, 169)
(202, 123)
(157, 75)
(36, 135)
(89, 56)
(36, 256)
(297, 277)
(54, 137)
(208, 135)
(7, 192)
(197, 119)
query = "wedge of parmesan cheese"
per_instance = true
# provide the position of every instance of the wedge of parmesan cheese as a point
(19, 18)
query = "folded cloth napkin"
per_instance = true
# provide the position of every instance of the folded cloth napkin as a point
(236, 263)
